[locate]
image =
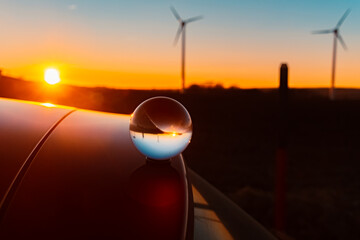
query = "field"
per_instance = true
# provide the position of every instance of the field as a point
(234, 144)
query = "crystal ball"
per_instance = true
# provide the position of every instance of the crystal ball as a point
(160, 128)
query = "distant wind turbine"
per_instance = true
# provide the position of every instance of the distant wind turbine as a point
(181, 31)
(337, 36)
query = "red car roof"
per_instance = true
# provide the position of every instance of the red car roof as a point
(86, 180)
(22, 126)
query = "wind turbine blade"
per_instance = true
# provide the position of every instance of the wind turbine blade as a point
(342, 19)
(341, 40)
(178, 33)
(322, 31)
(176, 15)
(193, 19)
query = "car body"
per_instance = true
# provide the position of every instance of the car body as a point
(68, 173)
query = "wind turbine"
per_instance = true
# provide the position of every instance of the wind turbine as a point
(181, 31)
(337, 36)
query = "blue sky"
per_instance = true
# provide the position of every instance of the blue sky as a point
(233, 39)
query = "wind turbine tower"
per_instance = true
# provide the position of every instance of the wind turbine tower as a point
(181, 31)
(337, 36)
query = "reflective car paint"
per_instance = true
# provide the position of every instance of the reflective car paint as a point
(89, 181)
(86, 180)
(21, 127)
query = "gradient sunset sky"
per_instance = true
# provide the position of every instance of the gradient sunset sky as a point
(129, 44)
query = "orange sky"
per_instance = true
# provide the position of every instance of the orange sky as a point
(138, 53)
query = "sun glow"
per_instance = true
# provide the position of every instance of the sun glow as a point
(52, 76)
(49, 105)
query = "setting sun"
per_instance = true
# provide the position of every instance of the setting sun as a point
(52, 76)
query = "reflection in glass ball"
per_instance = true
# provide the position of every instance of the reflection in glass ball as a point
(160, 128)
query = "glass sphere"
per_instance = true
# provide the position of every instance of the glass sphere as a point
(160, 128)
